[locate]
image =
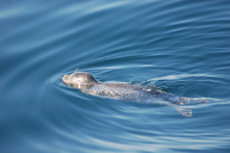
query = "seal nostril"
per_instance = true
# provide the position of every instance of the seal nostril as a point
(65, 78)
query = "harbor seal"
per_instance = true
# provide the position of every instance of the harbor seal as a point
(88, 84)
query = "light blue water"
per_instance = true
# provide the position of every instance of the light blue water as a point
(182, 47)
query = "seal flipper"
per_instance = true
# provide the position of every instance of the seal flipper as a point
(184, 101)
(184, 111)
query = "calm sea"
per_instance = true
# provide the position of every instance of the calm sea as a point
(181, 47)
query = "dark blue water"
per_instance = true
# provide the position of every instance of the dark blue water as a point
(182, 47)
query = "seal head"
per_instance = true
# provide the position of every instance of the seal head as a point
(80, 80)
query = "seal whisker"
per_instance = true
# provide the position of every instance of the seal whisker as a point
(76, 69)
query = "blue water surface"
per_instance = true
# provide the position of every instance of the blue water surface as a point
(181, 47)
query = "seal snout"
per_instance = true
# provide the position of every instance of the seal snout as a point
(65, 79)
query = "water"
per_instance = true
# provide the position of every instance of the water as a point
(182, 47)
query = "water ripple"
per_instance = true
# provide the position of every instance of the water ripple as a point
(181, 47)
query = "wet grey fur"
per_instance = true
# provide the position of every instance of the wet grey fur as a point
(126, 92)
